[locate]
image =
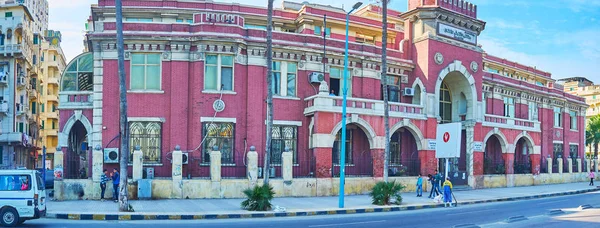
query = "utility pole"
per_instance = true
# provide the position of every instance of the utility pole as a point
(386, 112)
(267, 164)
(123, 201)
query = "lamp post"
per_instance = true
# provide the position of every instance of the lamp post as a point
(345, 94)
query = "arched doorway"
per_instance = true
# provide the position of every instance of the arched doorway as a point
(358, 153)
(77, 152)
(456, 95)
(493, 163)
(404, 154)
(523, 150)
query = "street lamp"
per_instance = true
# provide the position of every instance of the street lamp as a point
(345, 94)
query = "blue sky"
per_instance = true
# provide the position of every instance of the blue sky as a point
(559, 36)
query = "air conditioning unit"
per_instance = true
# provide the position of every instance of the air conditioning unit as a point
(111, 155)
(184, 158)
(316, 77)
(409, 92)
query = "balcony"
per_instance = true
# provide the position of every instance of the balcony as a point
(326, 103)
(52, 115)
(75, 100)
(52, 80)
(13, 49)
(51, 132)
(511, 123)
(21, 109)
(21, 82)
(52, 98)
(33, 94)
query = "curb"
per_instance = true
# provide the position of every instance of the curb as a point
(133, 217)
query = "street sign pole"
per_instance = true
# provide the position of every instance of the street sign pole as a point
(44, 163)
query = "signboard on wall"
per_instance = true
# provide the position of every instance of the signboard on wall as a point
(448, 140)
(478, 146)
(431, 145)
(457, 34)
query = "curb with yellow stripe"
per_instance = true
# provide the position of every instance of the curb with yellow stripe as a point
(128, 217)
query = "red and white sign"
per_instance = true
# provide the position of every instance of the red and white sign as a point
(448, 139)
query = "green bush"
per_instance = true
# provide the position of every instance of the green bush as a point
(259, 198)
(383, 192)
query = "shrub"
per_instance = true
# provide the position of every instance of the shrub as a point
(382, 192)
(258, 198)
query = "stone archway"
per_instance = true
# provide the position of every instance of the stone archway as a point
(496, 146)
(459, 80)
(362, 124)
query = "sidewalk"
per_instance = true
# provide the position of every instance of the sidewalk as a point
(230, 208)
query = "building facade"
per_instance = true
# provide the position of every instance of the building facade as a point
(52, 65)
(22, 23)
(585, 88)
(196, 79)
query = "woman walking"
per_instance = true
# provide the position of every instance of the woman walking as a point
(592, 175)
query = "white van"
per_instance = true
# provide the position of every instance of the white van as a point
(22, 196)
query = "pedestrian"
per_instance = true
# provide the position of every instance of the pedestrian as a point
(103, 179)
(419, 186)
(432, 182)
(438, 181)
(82, 174)
(447, 193)
(592, 175)
(116, 179)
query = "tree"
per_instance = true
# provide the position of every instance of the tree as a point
(592, 133)
(123, 202)
(386, 112)
(269, 92)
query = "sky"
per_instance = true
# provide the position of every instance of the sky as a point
(558, 36)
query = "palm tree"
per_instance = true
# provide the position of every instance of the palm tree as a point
(269, 92)
(592, 133)
(123, 202)
(386, 112)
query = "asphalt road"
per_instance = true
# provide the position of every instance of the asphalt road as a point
(483, 215)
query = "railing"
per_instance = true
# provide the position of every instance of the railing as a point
(407, 167)
(3, 107)
(329, 103)
(21, 108)
(69, 100)
(21, 82)
(52, 115)
(304, 168)
(494, 166)
(509, 122)
(362, 166)
(53, 80)
(522, 167)
(51, 132)
(52, 97)
(232, 172)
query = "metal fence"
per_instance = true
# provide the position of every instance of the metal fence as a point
(522, 167)
(409, 167)
(233, 171)
(358, 168)
(494, 167)
(304, 168)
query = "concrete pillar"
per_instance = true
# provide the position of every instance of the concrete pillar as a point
(252, 167)
(58, 174)
(377, 156)
(97, 164)
(215, 164)
(570, 164)
(549, 164)
(177, 174)
(587, 167)
(287, 163)
(138, 163)
(597, 163)
(509, 163)
(579, 170)
(535, 159)
(324, 163)
(559, 161)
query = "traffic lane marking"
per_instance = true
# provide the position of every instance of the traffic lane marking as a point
(351, 223)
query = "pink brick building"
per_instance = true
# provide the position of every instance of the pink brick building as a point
(183, 56)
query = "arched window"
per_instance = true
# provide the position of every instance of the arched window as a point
(79, 74)
(445, 104)
(417, 97)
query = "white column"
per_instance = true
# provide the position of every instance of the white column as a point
(579, 165)
(215, 165)
(559, 160)
(549, 164)
(138, 162)
(287, 159)
(252, 168)
(176, 173)
(97, 164)
(570, 163)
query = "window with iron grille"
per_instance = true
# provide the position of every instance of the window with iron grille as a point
(148, 135)
(222, 136)
(337, 147)
(283, 137)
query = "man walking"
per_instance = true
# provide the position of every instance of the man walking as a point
(103, 179)
(447, 193)
(419, 186)
(438, 181)
(116, 179)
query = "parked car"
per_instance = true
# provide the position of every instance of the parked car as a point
(49, 181)
(22, 196)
